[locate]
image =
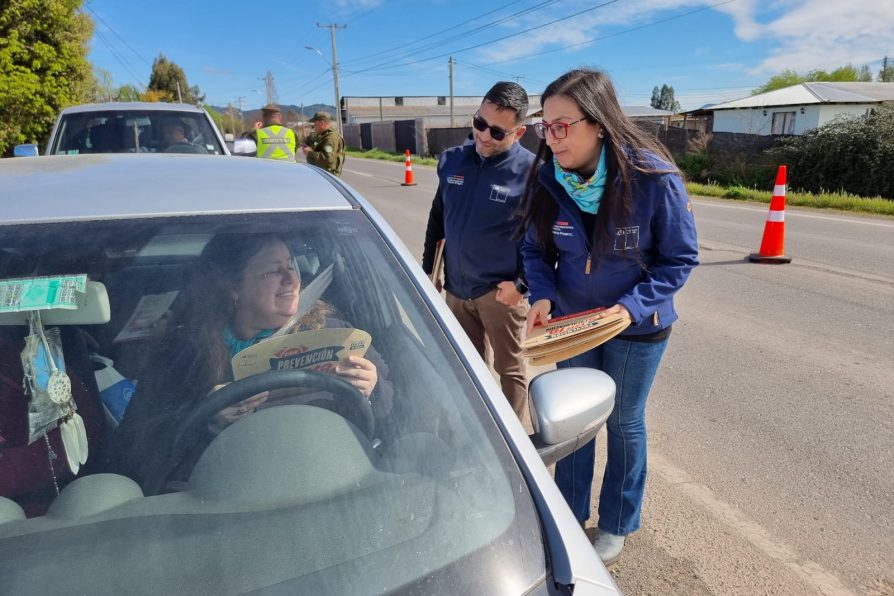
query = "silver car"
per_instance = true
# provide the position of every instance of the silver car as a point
(351, 442)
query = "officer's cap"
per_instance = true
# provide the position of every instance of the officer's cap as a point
(271, 108)
(326, 116)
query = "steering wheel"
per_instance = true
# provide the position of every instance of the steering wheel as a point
(349, 403)
(184, 148)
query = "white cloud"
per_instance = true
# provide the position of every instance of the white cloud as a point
(800, 35)
(828, 33)
(357, 4)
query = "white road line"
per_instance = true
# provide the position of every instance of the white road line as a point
(808, 571)
(796, 213)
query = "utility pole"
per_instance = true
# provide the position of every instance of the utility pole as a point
(239, 101)
(332, 28)
(179, 96)
(271, 87)
(450, 64)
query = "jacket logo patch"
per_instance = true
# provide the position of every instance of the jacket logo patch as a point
(563, 228)
(627, 238)
(499, 193)
(457, 180)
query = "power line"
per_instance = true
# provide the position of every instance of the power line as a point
(500, 73)
(121, 60)
(428, 38)
(616, 34)
(492, 41)
(124, 41)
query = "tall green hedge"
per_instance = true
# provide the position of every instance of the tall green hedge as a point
(849, 154)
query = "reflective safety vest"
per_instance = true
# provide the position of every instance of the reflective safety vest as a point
(276, 142)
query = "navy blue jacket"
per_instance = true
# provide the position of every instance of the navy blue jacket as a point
(474, 209)
(662, 232)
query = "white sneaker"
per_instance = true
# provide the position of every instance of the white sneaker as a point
(609, 547)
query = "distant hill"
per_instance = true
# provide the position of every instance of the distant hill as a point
(291, 113)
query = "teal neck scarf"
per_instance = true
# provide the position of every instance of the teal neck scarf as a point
(586, 193)
(236, 345)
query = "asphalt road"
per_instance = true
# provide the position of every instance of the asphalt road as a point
(772, 419)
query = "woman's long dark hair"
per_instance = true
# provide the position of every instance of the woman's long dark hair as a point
(629, 151)
(190, 355)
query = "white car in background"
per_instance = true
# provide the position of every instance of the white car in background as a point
(134, 127)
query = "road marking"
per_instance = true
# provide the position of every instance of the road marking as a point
(796, 213)
(808, 571)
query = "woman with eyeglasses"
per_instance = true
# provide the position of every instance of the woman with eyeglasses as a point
(245, 289)
(607, 224)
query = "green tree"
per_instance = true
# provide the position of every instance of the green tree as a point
(167, 77)
(886, 72)
(663, 99)
(43, 66)
(128, 93)
(789, 78)
(656, 97)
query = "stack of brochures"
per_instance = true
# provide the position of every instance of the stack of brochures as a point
(563, 337)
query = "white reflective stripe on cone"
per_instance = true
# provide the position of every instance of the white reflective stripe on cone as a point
(776, 216)
(779, 190)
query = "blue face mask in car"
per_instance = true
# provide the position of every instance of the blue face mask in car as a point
(50, 390)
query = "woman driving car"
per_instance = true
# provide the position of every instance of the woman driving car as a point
(246, 288)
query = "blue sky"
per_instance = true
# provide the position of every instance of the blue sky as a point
(709, 51)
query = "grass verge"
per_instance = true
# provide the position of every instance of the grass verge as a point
(385, 156)
(832, 200)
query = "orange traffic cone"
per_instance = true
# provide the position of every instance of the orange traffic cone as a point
(408, 175)
(772, 248)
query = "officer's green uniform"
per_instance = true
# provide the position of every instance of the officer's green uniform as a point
(276, 142)
(327, 151)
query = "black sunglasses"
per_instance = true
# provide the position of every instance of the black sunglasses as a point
(497, 134)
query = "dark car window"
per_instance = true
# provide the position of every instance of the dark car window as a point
(292, 498)
(135, 131)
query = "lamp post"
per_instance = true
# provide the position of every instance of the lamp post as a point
(334, 66)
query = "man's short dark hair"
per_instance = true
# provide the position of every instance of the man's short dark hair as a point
(509, 96)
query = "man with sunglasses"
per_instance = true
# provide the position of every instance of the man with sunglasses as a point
(479, 187)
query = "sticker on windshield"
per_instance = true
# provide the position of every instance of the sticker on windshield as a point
(41, 293)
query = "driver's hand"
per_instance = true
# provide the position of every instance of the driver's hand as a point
(239, 410)
(359, 372)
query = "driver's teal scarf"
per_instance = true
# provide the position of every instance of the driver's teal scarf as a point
(236, 345)
(586, 193)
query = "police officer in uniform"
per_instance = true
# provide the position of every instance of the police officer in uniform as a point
(274, 140)
(327, 148)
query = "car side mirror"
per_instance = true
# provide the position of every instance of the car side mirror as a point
(568, 407)
(25, 150)
(245, 147)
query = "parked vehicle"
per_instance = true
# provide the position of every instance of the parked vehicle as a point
(135, 127)
(431, 485)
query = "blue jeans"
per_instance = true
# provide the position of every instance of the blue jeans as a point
(632, 365)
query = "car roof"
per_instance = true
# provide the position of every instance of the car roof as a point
(113, 186)
(133, 106)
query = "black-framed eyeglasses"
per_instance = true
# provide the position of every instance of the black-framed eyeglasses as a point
(497, 134)
(557, 128)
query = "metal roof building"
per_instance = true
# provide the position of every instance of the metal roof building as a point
(799, 108)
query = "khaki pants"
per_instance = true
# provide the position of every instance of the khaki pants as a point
(504, 327)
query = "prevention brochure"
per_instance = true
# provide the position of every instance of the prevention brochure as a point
(319, 350)
(570, 335)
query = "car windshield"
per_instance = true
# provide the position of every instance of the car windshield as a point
(346, 451)
(135, 131)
